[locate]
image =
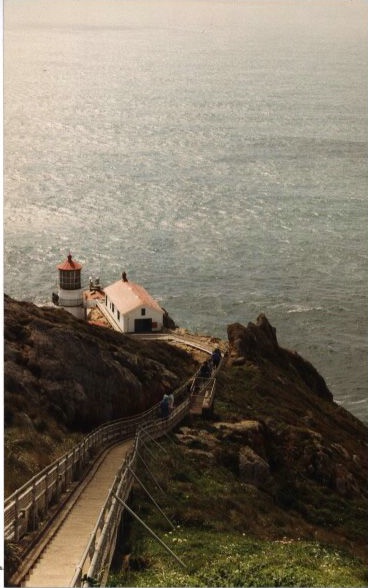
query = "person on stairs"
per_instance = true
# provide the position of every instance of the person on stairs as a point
(164, 406)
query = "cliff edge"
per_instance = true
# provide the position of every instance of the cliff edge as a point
(277, 458)
(64, 377)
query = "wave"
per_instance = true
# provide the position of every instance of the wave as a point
(302, 308)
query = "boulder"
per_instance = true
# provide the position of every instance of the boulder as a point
(257, 343)
(245, 432)
(252, 468)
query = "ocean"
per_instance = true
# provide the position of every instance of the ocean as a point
(214, 150)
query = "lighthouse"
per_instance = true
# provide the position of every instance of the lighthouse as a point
(70, 293)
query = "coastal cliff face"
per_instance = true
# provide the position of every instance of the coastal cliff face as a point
(278, 457)
(309, 437)
(64, 377)
(271, 490)
(298, 461)
(258, 342)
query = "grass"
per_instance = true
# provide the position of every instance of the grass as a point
(214, 559)
(227, 533)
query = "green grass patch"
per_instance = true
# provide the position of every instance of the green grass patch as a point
(214, 559)
(227, 534)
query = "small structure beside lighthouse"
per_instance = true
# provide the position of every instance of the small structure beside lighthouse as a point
(70, 293)
(131, 308)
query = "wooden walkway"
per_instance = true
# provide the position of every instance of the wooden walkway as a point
(57, 564)
(197, 403)
(202, 395)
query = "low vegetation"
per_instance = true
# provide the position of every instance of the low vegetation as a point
(235, 560)
(270, 491)
(304, 524)
(226, 533)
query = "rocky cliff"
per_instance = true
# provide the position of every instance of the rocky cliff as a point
(64, 377)
(295, 461)
(269, 491)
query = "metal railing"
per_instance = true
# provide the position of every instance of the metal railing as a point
(95, 563)
(30, 504)
(209, 395)
(169, 335)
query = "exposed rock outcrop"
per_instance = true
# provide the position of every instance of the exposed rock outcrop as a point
(259, 341)
(252, 468)
(90, 374)
(289, 445)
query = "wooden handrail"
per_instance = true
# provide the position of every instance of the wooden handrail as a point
(30, 504)
(111, 516)
(62, 472)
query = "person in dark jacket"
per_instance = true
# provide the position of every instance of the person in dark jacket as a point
(164, 406)
(216, 357)
(205, 370)
(171, 402)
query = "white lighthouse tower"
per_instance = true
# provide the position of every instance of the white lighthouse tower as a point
(70, 293)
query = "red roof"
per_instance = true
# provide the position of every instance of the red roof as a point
(69, 264)
(128, 296)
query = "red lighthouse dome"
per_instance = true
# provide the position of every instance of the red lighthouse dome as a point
(70, 274)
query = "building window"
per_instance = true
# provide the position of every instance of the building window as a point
(143, 312)
(118, 315)
(113, 307)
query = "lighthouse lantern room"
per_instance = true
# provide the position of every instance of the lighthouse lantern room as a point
(70, 293)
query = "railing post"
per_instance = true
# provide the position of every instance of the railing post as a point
(34, 507)
(74, 464)
(58, 480)
(46, 491)
(78, 462)
(84, 449)
(66, 470)
(16, 522)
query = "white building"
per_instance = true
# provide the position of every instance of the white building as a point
(132, 308)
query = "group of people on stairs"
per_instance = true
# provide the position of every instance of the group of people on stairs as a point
(205, 371)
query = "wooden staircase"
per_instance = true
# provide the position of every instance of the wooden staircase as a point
(196, 403)
(57, 564)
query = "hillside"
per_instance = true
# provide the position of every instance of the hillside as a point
(279, 472)
(271, 492)
(64, 377)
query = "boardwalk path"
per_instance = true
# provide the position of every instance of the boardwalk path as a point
(57, 564)
(63, 553)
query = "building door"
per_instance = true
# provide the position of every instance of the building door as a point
(143, 325)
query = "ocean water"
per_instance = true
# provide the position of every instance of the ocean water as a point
(214, 150)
